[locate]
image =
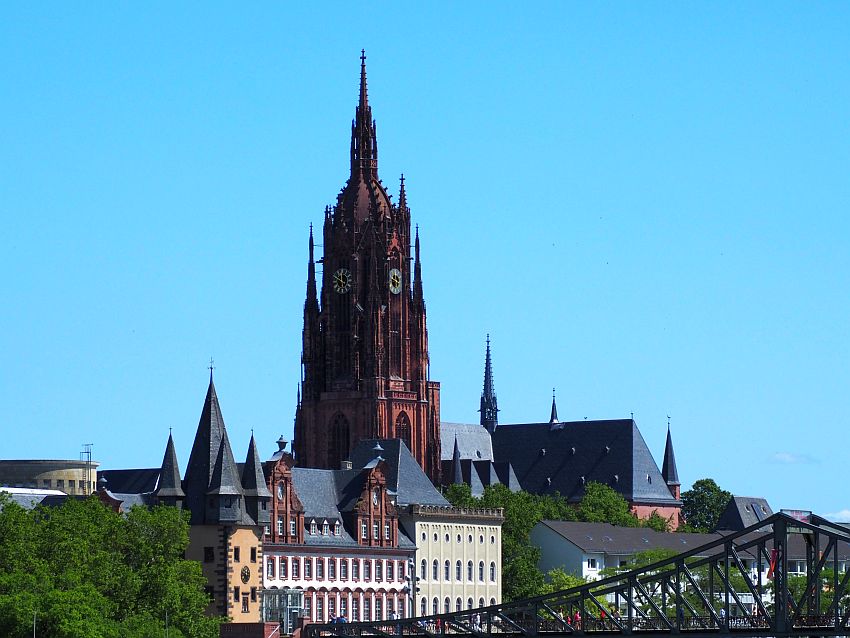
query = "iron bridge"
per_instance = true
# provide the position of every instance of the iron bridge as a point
(705, 592)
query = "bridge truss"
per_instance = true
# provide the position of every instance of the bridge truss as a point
(707, 591)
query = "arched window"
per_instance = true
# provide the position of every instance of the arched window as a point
(447, 572)
(458, 571)
(447, 606)
(480, 602)
(435, 571)
(423, 573)
(458, 605)
(435, 606)
(340, 441)
(481, 571)
(492, 572)
(402, 429)
(492, 601)
(469, 571)
(423, 607)
(469, 603)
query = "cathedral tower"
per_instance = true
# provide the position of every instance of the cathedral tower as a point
(365, 341)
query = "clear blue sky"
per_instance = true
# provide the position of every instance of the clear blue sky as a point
(645, 205)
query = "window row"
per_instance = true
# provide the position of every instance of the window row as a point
(459, 538)
(364, 531)
(458, 571)
(447, 605)
(309, 568)
(322, 607)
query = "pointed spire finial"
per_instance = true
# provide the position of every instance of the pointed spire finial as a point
(553, 417)
(489, 406)
(211, 367)
(364, 93)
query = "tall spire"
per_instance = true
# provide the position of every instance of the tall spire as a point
(364, 146)
(489, 407)
(417, 271)
(553, 417)
(312, 302)
(668, 468)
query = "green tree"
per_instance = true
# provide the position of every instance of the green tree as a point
(703, 504)
(603, 504)
(559, 580)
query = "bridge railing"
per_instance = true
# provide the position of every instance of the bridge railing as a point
(706, 590)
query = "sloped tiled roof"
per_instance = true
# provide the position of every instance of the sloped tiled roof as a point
(743, 511)
(132, 481)
(611, 539)
(547, 459)
(473, 441)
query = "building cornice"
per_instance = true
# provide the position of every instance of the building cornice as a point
(488, 515)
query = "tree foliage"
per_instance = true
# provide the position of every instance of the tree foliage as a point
(703, 504)
(84, 571)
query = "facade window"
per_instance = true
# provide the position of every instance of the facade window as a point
(423, 538)
(367, 570)
(363, 531)
(469, 603)
(458, 571)
(355, 607)
(458, 605)
(481, 571)
(320, 609)
(308, 568)
(423, 608)
(253, 594)
(336, 528)
(343, 605)
(469, 571)
(209, 555)
(312, 528)
(292, 527)
(390, 570)
(355, 569)
(447, 538)
(331, 605)
(480, 602)
(386, 531)
(458, 538)
(401, 608)
(270, 568)
(253, 554)
(236, 554)
(332, 570)
(320, 568)
(236, 594)
(325, 528)
(423, 568)
(447, 572)
(481, 539)
(435, 537)
(245, 608)
(591, 563)
(492, 540)
(379, 612)
(492, 601)
(283, 563)
(296, 568)
(343, 569)
(435, 606)
(280, 526)
(379, 571)
(492, 572)
(267, 530)
(308, 606)
(469, 540)
(435, 571)
(367, 608)
(375, 531)
(447, 605)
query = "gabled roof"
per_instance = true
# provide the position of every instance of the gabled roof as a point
(473, 441)
(743, 511)
(404, 475)
(611, 539)
(564, 459)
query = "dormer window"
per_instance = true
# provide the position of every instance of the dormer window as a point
(325, 528)
(375, 531)
(336, 528)
(386, 531)
(292, 527)
(312, 528)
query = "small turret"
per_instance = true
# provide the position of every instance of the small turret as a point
(257, 495)
(668, 469)
(553, 416)
(169, 491)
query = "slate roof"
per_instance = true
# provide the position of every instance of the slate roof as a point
(169, 484)
(404, 475)
(565, 457)
(133, 481)
(611, 539)
(743, 511)
(473, 441)
(668, 467)
(30, 498)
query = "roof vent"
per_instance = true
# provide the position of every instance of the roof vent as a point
(101, 483)
(581, 478)
(345, 465)
(378, 447)
(548, 480)
(616, 478)
(573, 451)
(478, 453)
(607, 449)
(648, 478)
(543, 451)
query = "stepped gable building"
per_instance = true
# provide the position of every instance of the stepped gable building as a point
(558, 456)
(365, 340)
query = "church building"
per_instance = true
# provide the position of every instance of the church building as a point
(365, 341)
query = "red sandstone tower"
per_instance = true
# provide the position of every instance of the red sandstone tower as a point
(365, 341)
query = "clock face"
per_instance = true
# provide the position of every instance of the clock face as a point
(245, 574)
(342, 280)
(395, 281)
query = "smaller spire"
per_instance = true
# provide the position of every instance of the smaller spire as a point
(402, 195)
(668, 468)
(211, 367)
(169, 473)
(457, 469)
(489, 406)
(253, 479)
(312, 302)
(553, 417)
(364, 91)
(418, 295)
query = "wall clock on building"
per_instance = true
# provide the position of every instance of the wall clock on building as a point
(245, 574)
(395, 281)
(342, 280)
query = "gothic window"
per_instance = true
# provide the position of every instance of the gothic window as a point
(435, 571)
(469, 571)
(459, 572)
(340, 440)
(492, 572)
(402, 428)
(423, 569)
(481, 571)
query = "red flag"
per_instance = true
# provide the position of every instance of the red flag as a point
(773, 556)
